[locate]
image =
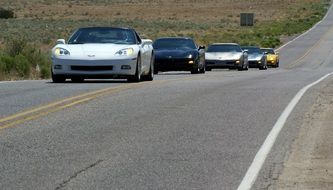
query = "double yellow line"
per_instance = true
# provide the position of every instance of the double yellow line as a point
(299, 60)
(62, 104)
(52, 107)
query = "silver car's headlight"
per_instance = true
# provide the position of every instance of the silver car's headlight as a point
(125, 52)
(61, 52)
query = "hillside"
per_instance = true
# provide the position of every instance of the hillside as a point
(41, 22)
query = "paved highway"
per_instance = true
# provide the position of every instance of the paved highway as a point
(180, 131)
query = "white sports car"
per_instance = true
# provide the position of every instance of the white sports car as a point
(103, 52)
(226, 55)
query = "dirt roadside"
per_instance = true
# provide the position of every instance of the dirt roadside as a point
(310, 162)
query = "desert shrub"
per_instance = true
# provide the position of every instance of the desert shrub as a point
(270, 42)
(15, 46)
(45, 72)
(33, 55)
(7, 63)
(6, 14)
(22, 65)
(21, 59)
(2, 67)
(44, 63)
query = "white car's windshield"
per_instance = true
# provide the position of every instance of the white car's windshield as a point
(224, 48)
(103, 35)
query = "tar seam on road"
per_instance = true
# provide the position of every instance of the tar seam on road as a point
(64, 183)
(259, 160)
(44, 110)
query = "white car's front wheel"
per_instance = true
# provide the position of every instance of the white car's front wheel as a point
(137, 76)
(150, 75)
(57, 78)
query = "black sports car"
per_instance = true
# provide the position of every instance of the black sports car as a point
(178, 54)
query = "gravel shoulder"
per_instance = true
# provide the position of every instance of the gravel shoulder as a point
(310, 162)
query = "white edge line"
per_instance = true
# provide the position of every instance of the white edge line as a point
(258, 161)
(13, 81)
(313, 27)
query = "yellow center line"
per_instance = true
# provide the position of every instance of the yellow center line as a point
(16, 122)
(52, 107)
(52, 104)
(295, 63)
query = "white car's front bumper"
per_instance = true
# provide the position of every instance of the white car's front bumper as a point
(219, 63)
(74, 67)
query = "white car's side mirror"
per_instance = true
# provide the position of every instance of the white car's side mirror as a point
(146, 42)
(61, 41)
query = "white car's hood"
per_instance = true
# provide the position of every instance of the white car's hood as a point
(223, 55)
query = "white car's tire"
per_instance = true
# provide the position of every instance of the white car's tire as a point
(150, 75)
(57, 78)
(137, 76)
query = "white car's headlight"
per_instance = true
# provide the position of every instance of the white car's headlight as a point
(125, 52)
(61, 52)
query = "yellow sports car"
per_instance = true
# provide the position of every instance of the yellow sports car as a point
(272, 57)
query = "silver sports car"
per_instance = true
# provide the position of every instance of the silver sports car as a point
(257, 57)
(226, 55)
(103, 52)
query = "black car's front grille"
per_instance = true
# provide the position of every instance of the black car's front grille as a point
(181, 64)
(92, 68)
(172, 61)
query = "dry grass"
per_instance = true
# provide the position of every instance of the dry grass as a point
(191, 10)
(41, 22)
(154, 18)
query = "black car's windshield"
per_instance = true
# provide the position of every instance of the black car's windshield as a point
(253, 50)
(103, 35)
(174, 43)
(224, 48)
(269, 51)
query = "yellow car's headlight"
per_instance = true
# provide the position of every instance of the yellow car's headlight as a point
(61, 52)
(125, 52)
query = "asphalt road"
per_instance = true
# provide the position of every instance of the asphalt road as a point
(180, 131)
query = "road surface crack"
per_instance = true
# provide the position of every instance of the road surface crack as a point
(64, 183)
